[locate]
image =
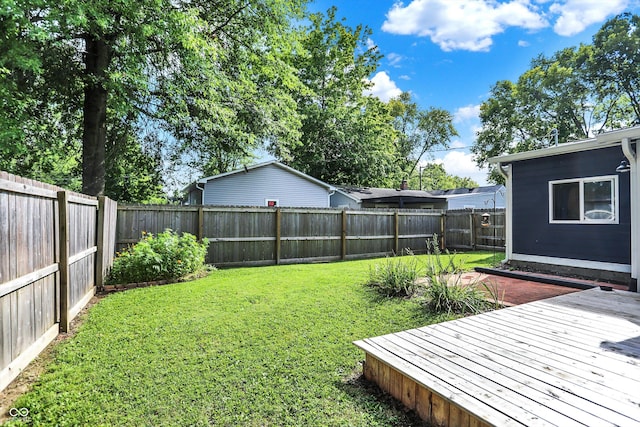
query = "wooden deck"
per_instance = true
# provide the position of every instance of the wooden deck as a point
(572, 360)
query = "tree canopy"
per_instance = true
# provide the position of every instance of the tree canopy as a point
(108, 97)
(198, 75)
(574, 94)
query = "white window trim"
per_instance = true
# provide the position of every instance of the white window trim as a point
(583, 220)
(266, 202)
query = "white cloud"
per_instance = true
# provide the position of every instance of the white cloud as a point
(462, 24)
(394, 59)
(404, 77)
(523, 43)
(464, 114)
(462, 164)
(576, 15)
(371, 44)
(383, 87)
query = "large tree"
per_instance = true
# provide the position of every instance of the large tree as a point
(346, 136)
(615, 65)
(418, 131)
(563, 97)
(200, 74)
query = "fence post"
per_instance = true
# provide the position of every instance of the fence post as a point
(278, 234)
(200, 223)
(343, 238)
(100, 244)
(473, 233)
(443, 240)
(63, 262)
(396, 232)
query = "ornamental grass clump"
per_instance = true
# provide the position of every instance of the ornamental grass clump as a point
(447, 293)
(165, 256)
(395, 277)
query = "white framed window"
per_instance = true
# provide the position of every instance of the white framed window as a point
(592, 200)
(272, 203)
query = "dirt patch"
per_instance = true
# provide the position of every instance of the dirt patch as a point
(30, 375)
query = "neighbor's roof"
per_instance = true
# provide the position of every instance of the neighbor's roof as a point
(603, 140)
(261, 165)
(458, 192)
(386, 194)
(379, 194)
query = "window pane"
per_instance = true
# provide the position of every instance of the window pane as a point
(598, 200)
(566, 201)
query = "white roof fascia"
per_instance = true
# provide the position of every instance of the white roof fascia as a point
(604, 140)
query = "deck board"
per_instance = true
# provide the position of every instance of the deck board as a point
(565, 361)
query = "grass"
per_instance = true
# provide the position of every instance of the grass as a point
(251, 346)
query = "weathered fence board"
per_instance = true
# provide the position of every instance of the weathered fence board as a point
(262, 236)
(464, 229)
(48, 251)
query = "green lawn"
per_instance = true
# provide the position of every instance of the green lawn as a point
(265, 346)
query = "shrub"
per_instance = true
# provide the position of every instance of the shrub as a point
(396, 277)
(166, 256)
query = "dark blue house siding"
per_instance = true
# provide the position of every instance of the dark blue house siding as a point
(532, 232)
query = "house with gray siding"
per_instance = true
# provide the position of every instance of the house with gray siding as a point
(575, 208)
(478, 198)
(270, 184)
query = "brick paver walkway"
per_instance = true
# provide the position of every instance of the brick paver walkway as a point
(518, 291)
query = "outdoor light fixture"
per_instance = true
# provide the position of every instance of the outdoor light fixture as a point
(485, 219)
(623, 167)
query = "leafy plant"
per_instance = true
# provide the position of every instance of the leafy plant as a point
(395, 277)
(166, 256)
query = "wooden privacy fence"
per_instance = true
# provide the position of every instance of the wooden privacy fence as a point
(465, 229)
(261, 236)
(55, 247)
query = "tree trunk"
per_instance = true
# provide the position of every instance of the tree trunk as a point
(95, 117)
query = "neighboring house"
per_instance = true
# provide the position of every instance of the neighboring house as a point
(460, 198)
(266, 184)
(479, 198)
(402, 198)
(572, 208)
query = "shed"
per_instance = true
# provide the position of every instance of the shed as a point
(574, 208)
(271, 184)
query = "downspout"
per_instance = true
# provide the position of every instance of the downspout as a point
(505, 171)
(634, 182)
(201, 192)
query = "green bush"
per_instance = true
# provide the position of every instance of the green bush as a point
(396, 277)
(165, 256)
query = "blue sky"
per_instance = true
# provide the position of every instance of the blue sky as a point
(449, 53)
